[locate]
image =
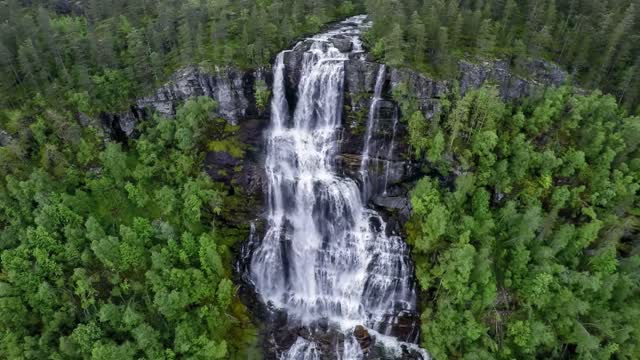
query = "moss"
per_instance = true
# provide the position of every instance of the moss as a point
(357, 120)
(231, 146)
(10, 120)
(225, 139)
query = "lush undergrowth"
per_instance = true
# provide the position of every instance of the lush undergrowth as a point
(111, 251)
(525, 232)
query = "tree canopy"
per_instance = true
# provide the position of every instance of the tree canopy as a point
(532, 251)
(111, 251)
(595, 40)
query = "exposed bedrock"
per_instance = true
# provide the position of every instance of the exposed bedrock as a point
(234, 91)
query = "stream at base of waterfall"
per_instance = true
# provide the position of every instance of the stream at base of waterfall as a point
(326, 259)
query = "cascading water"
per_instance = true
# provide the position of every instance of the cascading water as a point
(371, 126)
(391, 148)
(325, 257)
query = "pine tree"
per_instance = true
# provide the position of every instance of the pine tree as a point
(486, 37)
(417, 38)
(393, 47)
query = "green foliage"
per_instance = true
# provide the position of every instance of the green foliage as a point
(115, 256)
(226, 140)
(263, 94)
(522, 255)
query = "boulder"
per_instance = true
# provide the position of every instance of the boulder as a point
(364, 339)
(5, 138)
(342, 43)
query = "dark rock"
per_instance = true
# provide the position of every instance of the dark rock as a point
(360, 76)
(83, 119)
(392, 202)
(68, 7)
(349, 165)
(121, 126)
(364, 339)
(342, 43)
(5, 139)
(220, 166)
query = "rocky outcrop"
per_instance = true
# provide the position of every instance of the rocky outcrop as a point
(232, 89)
(120, 126)
(539, 75)
(5, 139)
(234, 92)
(511, 83)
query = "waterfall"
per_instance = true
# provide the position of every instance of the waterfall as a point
(371, 126)
(325, 257)
(390, 153)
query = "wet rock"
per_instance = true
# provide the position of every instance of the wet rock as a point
(391, 202)
(360, 76)
(364, 339)
(349, 164)
(342, 43)
(220, 165)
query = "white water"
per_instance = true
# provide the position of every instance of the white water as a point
(325, 255)
(390, 153)
(371, 126)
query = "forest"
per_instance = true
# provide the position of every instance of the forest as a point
(533, 253)
(525, 228)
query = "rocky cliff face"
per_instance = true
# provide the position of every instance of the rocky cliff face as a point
(234, 91)
(390, 151)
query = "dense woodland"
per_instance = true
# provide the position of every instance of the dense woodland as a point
(597, 41)
(119, 251)
(524, 233)
(531, 250)
(97, 55)
(111, 252)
